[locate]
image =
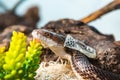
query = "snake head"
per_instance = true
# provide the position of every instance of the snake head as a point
(48, 38)
(51, 40)
(57, 43)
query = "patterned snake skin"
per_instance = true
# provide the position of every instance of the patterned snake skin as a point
(81, 66)
(84, 70)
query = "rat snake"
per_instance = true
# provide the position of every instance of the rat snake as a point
(80, 64)
(84, 70)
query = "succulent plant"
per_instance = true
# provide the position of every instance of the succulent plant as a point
(2, 56)
(20, 63)
(15, 55)
(32, 60)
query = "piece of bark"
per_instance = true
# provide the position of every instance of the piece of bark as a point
(10, 18)
(31, 17)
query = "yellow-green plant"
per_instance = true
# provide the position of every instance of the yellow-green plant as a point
(15, 56)
(2, 56)
(32, 59)
(20, 63)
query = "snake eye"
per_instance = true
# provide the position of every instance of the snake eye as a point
(46, 34)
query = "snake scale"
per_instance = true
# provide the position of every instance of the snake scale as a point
(80, 64)
(87, 71)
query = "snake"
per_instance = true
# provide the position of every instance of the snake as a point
(81, 66)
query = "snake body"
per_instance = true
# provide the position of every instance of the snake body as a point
(84, 70)
(81, 66)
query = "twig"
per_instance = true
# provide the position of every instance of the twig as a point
(13, 10)
(108, 8)
(17, 4)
